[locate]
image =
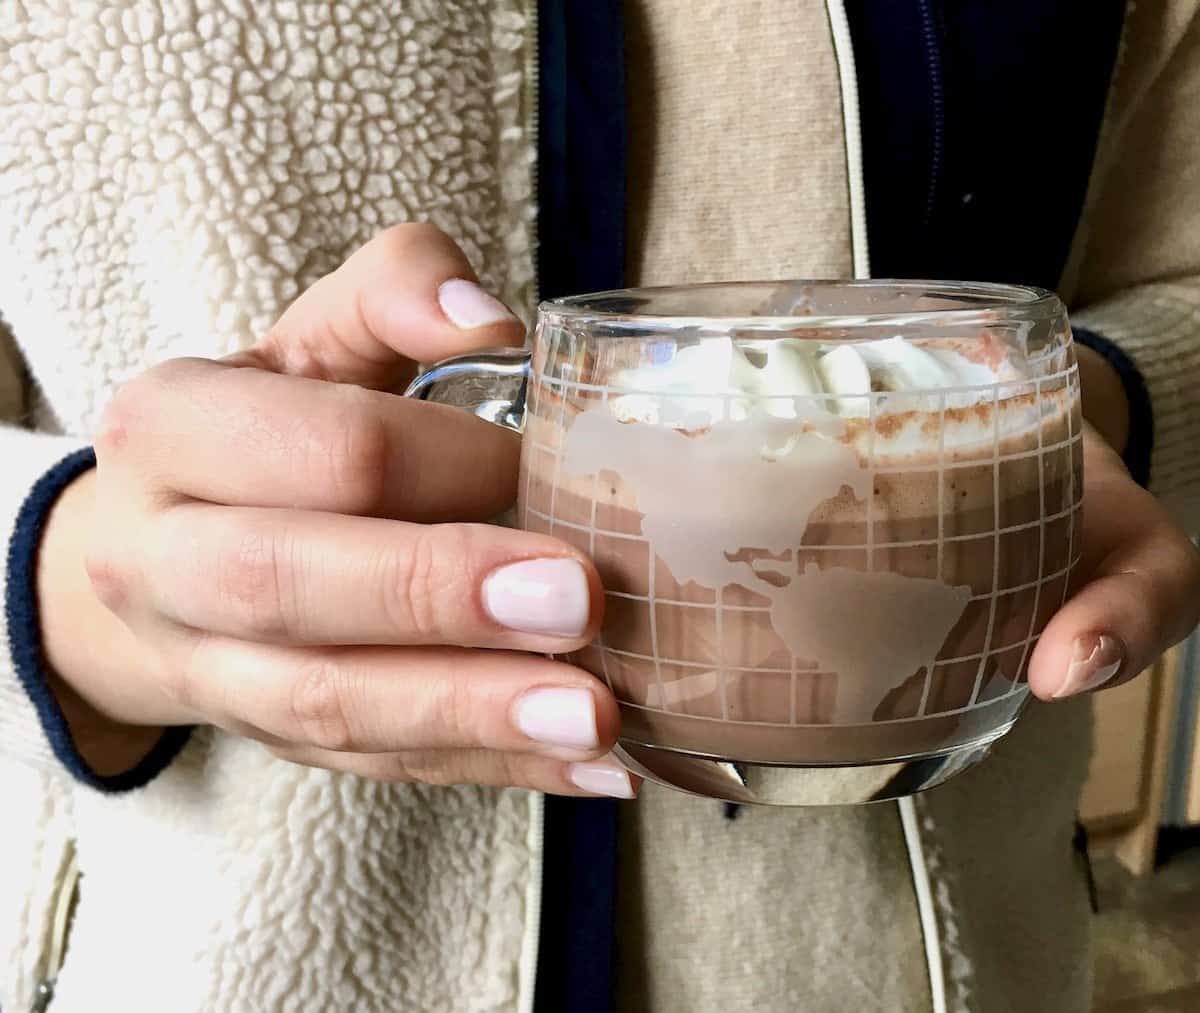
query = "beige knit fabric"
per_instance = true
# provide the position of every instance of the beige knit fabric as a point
(1137, 255)
(737, 144)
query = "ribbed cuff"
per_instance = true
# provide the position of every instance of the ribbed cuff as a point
(25, 640)
(1139, 447)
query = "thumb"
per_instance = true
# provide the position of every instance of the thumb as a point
(409, 295)
(1141, 596)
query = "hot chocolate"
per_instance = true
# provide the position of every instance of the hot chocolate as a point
(797, 572)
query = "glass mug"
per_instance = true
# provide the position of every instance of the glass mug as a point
(831, 518)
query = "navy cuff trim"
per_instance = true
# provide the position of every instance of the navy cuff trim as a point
(1140, 445)
(25, 639)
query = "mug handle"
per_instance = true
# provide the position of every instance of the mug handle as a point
(491, 384)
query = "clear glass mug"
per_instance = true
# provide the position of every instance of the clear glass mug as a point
(831, 518)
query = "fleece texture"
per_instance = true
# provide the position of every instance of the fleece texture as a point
(172, 175)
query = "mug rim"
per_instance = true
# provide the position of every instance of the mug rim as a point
(990, 302)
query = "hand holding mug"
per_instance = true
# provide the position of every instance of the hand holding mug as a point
(274, 544)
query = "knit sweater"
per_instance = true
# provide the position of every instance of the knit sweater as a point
(172, 174)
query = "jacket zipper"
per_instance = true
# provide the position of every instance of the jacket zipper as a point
(536, 839)
(843, 48)
(66, 896)
(532, 124)
(527, 968)
(938, 107)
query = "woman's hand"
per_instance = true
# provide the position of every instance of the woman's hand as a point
(1138, 584)
(291, 554)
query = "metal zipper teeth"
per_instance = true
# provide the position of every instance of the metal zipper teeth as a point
(536, 838)
(938, 107)
(532, 98)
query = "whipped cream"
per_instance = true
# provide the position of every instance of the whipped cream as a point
(718, 378)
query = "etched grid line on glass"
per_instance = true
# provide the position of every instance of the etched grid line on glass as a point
(721, 684)
(941, 482)
(1072, 376)
(1037, 591)
(555, 342)
(834, 546)
(1003, 593)
(990, 389)
(998, 702)
(792, 693)
(1020, 455)
(926, 688)
(991, 623)
(941, 532)
(533, 445)
(592, 555)
(871, 470)
(658, 679)
(909, 470)
(709, 666)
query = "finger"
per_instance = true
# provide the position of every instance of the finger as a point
(603, 777)
(297, 577)
(216, 432)
(378, 700)
(1142, 595)
(409, 295)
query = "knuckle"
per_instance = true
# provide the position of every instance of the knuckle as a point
(319, 706)
(249, 583)
(402, 238)
(463, 767)
(180, 683)
(132, 408)
(420, 766)
(456, 711)
(178, 686)
(358, 453)
(108, 577)
(426, 580)
(115, 424)
(508, 770)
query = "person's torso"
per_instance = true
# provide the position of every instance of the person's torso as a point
(170, 182)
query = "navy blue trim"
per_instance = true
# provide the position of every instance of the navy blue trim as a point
(1139, 447)
(577, 947)
(582, 146)
(25, 640)
(979, 127)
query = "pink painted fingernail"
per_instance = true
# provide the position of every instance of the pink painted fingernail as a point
(539, 596)
(558, 716)
(602, 777)
(1095, 659)
(468, 306)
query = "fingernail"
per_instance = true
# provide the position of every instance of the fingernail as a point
(468, 306)
(558, 717)
(602, 777)
(1095, 659)
(539, 596)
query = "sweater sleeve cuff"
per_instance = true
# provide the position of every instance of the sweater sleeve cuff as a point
(1139, 447)
(25, 642)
